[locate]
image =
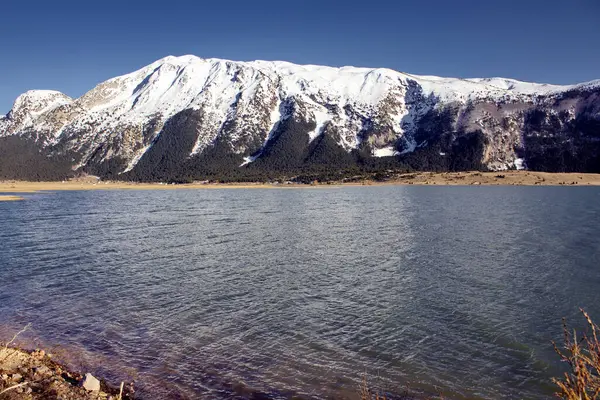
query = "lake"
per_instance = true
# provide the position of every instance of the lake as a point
(275, 293)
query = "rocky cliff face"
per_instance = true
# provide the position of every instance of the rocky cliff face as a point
(186, 117)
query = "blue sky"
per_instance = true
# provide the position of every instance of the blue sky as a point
(73, 45)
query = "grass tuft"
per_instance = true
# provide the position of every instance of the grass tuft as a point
(582, 355)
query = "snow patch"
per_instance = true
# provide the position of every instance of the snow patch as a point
(385, 152)
(275, 118)
(321, 118)
(138, 156)
(248, 160)
(519, 163)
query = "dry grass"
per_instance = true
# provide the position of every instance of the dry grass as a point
(5, 352)
(582, 354)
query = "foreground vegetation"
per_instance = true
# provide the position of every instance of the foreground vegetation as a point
(582, 355)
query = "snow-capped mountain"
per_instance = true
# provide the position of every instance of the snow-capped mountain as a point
(193, 117)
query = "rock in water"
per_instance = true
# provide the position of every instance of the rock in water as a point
(90, 383)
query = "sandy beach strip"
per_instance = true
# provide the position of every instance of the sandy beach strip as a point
(11, 198)
(522, 178)
(502, 178)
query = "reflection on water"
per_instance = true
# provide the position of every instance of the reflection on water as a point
(235, 293)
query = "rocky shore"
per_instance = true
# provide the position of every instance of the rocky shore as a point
(35, 375)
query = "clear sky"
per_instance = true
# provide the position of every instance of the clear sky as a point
(73, 45)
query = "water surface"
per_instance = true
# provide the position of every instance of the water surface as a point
(277, 293)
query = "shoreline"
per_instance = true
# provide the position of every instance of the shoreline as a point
(36, 375)
(503, 178)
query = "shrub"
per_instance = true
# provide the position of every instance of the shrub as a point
(582, 354)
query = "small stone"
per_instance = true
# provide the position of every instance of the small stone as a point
(4, 377)
(17, 377)
(43, 370)
(90, 383)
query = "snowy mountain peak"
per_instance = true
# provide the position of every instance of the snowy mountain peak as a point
(519, 86)
(247, 107)
(40, 101)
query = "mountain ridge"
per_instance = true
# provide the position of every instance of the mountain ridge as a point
(254, 112)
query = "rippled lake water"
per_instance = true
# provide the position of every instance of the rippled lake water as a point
(240, 293)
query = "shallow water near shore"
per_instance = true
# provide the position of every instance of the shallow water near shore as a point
(280, 293)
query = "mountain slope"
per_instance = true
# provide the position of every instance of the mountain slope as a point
(191, 118)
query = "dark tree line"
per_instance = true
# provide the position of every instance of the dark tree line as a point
(554, 143)
(22, 159)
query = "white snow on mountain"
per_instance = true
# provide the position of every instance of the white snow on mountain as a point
(34, 103)
(248, 93)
